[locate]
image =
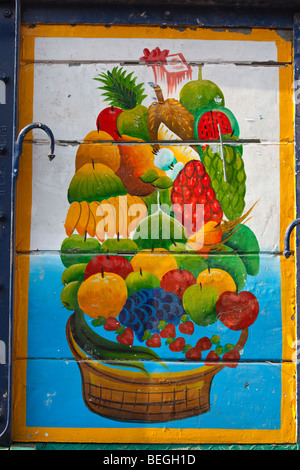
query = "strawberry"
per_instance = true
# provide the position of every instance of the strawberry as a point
(169, 331)
(111, 324)
(126, 337)
(154, 341)
(186, 328)
(204, 344)
(231, 358)
(193, 354)
(212, 358)
(193, 186)
(177, 345)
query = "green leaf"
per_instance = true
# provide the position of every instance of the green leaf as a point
(163, 182)
(150, 176)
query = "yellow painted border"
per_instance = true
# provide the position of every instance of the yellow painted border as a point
(287, 433)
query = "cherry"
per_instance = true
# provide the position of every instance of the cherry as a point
(169, 331)
(211, 358)
(193, 354)
(154, 341)
(126, 337)
(204, 344)
(177, 345)
(186, 328)
(111, 324)
(231, 358)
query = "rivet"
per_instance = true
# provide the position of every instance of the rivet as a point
(7, 13)
(4, 78)
(167, 14)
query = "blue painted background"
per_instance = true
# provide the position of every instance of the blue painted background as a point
(248, 397)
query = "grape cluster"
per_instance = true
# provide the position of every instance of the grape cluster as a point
(145, 309)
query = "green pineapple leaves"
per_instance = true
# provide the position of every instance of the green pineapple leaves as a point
(120, 88)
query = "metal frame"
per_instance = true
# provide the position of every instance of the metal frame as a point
(281, 14)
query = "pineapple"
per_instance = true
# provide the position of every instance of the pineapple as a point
(120, 90)
(171, 113)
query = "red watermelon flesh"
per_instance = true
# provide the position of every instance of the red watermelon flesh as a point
(208, 125)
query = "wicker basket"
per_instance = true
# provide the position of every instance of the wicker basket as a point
(133, 397)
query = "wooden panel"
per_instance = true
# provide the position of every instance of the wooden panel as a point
(144, 298)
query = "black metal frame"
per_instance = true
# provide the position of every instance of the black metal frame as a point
(210, 13)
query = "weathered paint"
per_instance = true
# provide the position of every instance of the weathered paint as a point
(58, 65)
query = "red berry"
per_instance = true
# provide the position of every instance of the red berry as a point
(187, 328)
(204, 344)
(111, 324)
(177, 345)
(169, 331)
(126, 337)
(189, 169)
(154, 341)
(231, 358)
(205, 180)
(212, 358)
(193, 354)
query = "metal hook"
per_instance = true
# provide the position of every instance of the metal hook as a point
(19, 144)
(287, 253)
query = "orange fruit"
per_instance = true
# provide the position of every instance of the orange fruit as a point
(102, 294)
(100, 152)
(206, 238)
(158, 261)
(217, 278)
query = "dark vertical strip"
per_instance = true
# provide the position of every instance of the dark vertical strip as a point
(297, 172)
(9, 60)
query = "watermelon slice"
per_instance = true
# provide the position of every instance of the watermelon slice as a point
(208, 121)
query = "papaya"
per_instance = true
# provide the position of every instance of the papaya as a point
(244, 242)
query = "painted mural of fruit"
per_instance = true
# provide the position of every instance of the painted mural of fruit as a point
(177, 281)
(120, 90)
(228, 179)
(135, 161)
(207, 238)
(159, 230)
(68, 295)
(124, 246)
(94, 182)
(208, 120)
(107, 121)
(182, 153)
(138, 280)
(192, 262)
(244, 242)
(200, 304)
(229, 261)
(145, 309)
(77, 249)
(102, 294)
(75, 272)
(93, 150)
(118, 216)
(200, 93)
(157, 261)
(237, 310)
(171, 113)
(109, 264)
(217, 278)
(193, 198)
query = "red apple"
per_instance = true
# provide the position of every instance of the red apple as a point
(107, 121)
(108, 264)
(177, 281)
(237, 311)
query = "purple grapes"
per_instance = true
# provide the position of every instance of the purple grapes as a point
(145, 309)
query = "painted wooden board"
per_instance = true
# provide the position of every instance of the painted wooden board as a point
(151, 291)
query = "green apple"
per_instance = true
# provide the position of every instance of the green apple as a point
(188, 259)
(73, 273)
(133, 122)
(200, 304)
(69, 295)
(77, 249)
(120, 245)
(139, 280)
